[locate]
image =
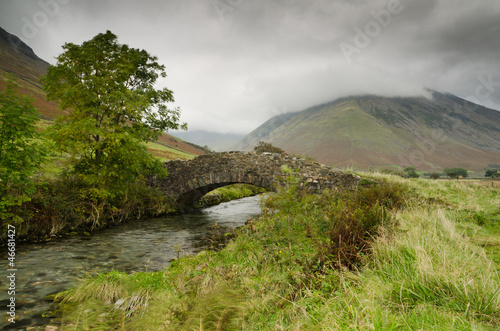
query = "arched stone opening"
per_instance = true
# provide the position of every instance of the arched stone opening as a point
(191, 197)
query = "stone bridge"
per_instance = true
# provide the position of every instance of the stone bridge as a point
(188, 181)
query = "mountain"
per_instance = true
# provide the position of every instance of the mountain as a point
(218, 142)
(374, 132)
(19, 59)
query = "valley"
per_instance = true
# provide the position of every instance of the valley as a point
(377, 215)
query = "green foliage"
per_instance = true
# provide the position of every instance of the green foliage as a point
(228, 193)
(435, 175)
(342, 225)
(263, 147)
(411, 172)
(494, 171)
(114, 108)
(408, 172)
(20, 154)
(456, 173)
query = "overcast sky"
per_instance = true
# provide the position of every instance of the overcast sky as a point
(233, 64)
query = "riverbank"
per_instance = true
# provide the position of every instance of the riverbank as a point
(405, 254)
(66, 206)
(59, 208)
(156, 241)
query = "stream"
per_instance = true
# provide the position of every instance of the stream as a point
(145, 245)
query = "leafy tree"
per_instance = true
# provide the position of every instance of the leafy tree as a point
(434, 175)
(490, 172)
(411, 172)
(20, 154)
(456, 173)
(263, 147)
(114, 108)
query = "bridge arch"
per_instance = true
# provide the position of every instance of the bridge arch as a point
(192, 196)
(188, 181)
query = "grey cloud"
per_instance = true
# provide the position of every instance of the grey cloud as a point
(232, 64)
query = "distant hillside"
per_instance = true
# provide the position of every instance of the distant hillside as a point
(262, 132)
(19, 59)
(218, 142)
(372, 131)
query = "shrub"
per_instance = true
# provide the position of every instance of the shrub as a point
(411, 172)
(354, 222)
(341, 225)
(264, 147)
(456, 173)
(491, 173)
(435, 175)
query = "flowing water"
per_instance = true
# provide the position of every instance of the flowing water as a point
(146, 245)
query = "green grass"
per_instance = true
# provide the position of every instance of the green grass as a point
(42, 124)
(166, 153)
(402, 255)
(228, 193)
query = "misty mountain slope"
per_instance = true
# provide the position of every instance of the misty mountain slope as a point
(371, 131)
(262, 132)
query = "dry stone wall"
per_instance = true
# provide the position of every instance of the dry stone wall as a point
(188, 181)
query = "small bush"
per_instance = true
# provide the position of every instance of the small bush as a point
(341, 226)
(264, 147)
(354, 220)
(456, 173)
(435, 175)
(411, 172)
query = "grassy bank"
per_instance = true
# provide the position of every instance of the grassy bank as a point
(228, 193)
(402, 255)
